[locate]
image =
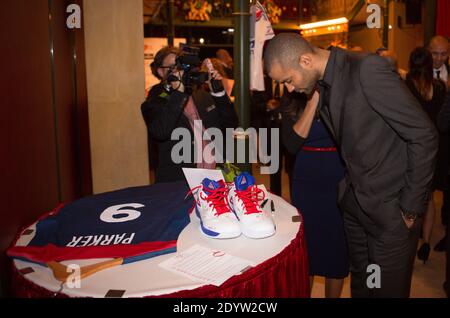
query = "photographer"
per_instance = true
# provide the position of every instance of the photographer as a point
(176, 102)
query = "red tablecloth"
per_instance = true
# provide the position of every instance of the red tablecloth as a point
(282, 276)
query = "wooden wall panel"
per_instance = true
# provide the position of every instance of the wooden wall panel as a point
(29, 178)
(45, 157)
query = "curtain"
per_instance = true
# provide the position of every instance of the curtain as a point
(443, 19)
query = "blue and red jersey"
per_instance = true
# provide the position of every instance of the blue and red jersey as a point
(133, 224)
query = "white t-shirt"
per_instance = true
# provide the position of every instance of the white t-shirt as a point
(260, 31)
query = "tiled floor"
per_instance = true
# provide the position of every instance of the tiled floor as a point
(427, 279)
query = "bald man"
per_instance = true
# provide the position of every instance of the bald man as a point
(388, 145)
(439, 48)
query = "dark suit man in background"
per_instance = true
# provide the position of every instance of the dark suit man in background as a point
(388, 145)
(439, 48)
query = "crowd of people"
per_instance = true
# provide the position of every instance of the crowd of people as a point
(366, 145)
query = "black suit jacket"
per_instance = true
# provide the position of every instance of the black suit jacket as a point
(443, 119)
(164, 112)
(386, 140)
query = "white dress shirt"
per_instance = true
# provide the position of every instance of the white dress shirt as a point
(443, 74)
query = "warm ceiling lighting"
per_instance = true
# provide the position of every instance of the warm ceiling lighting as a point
(323, 23)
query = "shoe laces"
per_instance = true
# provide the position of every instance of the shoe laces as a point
(216, 199)
(250, 198)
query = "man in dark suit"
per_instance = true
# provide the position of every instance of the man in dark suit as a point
(388, 145)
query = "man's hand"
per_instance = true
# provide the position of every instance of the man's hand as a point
(304, 123)
(214, 75)
(313, 100)
(409, 222)
(177, 85)
(218, 85)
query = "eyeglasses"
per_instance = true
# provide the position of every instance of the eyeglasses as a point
(170, 67)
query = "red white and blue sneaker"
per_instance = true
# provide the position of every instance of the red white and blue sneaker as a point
(243, 198)
(216, 218)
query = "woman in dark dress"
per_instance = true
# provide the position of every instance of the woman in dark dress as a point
(317, 172)
(431, 94)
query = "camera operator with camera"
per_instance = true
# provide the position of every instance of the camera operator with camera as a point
(179, 100)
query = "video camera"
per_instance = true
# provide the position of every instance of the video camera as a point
(189, 62)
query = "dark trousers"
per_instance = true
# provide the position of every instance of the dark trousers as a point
(393, 249)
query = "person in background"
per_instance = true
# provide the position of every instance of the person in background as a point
(225, 58)
(316, 174)
(439, 47)
(169, 105)
(431, 95)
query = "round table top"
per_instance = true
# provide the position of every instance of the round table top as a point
(147, 278)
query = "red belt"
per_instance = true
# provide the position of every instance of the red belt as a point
(331, 149)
